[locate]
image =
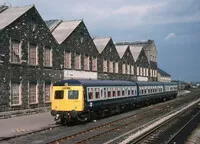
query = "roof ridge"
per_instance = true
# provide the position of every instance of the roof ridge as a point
(31, 5)
(102, 37)
(72, 20)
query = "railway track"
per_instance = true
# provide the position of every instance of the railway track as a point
(89, 135)
(174, 129)
(104, 130)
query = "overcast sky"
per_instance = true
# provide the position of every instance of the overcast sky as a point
(174, 25)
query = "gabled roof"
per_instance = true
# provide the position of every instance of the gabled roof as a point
(64, 29)
(101, 43)
(11, 14)
(52, 24)
(163, 73)
(135, 50)
(121, 49)
(142, 42)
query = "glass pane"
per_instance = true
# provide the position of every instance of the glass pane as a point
(59, 94)
(72, 94)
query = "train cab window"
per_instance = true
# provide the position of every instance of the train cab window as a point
(59, 94)
(73, 94)
(135, 92)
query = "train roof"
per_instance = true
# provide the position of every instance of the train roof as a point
(75, 82)
(140, 83)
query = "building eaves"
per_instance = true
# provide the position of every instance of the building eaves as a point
(11, 14)
(121, 49)
(163, 73)
(64, 30)
(101, 43)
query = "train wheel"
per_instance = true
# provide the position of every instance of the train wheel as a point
(84, 117)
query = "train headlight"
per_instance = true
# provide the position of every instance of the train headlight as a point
(75, 107)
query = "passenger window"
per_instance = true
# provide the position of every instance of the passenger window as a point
(114, 92)
(129, 92)
(102, 93)
(97, 93)
(59, 94)
(109, 93)
(118, 92)
(132, 91)
(123, 93)
(73, 94)
(90, 94)
(105, 94)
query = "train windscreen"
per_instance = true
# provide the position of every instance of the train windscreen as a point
(59, 94)
(73, 94)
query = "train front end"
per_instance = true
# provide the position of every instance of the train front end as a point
(66, 102)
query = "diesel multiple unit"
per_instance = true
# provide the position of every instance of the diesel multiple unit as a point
(81, 99)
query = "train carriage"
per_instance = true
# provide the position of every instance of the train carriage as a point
(79, 98)
(150, 91)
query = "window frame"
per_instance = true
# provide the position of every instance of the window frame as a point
(19, 92)
(36, 92)
(36, 55)
(50, 57)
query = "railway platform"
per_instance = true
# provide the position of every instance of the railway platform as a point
(16, 126)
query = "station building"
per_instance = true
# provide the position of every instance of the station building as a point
(78, 52)
(163, 76)
(150, 50)
(127, 63)
(29, 59)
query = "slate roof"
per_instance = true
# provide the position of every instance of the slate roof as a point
(121, 49)
(163, 73)
(11, 14)
(134, 42)
(101, 43)
(64, 29)
(52, 24)
(135, 50)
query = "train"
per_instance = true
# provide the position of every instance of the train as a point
(81, 99)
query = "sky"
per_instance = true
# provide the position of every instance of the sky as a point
(174, 25)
